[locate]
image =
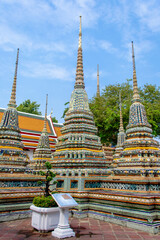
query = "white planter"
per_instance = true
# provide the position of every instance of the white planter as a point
(44, 219)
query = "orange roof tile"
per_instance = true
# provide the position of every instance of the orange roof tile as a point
(31, 123)
(58, 131)
(31, 126)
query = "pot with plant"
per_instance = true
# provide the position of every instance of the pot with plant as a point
(45, 212)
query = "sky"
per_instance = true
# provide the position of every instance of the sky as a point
(46, 32)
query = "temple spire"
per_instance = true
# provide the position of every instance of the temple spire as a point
(121, 129)
(12, 102)
(136, 96)
(45, 119)
(98, 91)
(121, 134)
(79, 70)
(80, 33)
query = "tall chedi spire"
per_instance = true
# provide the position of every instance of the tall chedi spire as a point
(98, 91)
(121, 135)
(43, 150)
(136, 96)
(140, 147)
(12, 102)
(79, 71)
(10, 138)
(121, 129)
(45, 119)
(79, 150)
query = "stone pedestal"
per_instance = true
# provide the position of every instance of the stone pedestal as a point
(63, 230)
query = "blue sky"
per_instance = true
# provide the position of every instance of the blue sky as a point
(46, 31)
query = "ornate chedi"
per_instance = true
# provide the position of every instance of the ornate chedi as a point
(79, 150)
(121, 135)
(141, 152)
(11, 146)
(43, 150)
(129, 194)
(17, 186)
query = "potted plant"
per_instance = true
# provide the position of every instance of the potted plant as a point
(45, 212)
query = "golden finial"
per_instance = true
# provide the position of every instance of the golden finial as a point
(135, 86)
(51, 112)
(80, 33)
(12, 102)
(45, 119)
(98, 91)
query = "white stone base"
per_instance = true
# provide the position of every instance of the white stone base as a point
(63, 233)
(63, 230)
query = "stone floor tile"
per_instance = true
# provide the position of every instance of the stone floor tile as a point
(109, 238)
(148, 238)
(121, 236)
(6, 238)
(85, 229)
(135, 238)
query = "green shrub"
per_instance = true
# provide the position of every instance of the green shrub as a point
(45, 202)
(49, 176)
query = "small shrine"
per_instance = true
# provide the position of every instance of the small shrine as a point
(42, 153)
(121, 135)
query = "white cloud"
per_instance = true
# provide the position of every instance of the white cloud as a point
(107, 46)
(149, 14)
(25, 23)
(10, 39)
(57, 12)
(46, 70)
(67, 12)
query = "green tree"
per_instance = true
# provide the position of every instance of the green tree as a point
(46, 200)
(29, 107)
(54, 120)
(65, 110)
(150, 95)
(106, 109)
(49, 176)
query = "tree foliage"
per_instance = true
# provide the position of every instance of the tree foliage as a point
(106, 109)
(66, 109)
(150, 95)
(54, 120)
(29, 107)
(46, 200)
(49, 176)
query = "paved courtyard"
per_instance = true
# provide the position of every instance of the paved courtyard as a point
(85, 229)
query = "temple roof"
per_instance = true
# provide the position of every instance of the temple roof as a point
(31, 127)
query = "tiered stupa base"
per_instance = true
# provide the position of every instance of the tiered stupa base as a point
(132, 209)
(16, 195)
(125, 200)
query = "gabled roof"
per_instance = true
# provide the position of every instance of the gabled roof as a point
(31, 127)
